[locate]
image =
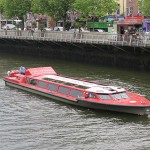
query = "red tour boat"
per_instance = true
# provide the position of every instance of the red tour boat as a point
(46, 82)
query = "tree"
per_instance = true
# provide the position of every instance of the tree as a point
(1, 6)
(16, 8)
(94, 8)
(55, 8)
(144, 6)
(40, 6)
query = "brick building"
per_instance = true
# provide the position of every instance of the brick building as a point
(128, 7)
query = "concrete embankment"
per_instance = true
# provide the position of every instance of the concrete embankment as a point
(137, 58)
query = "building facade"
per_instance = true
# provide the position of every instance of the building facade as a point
(127, 8)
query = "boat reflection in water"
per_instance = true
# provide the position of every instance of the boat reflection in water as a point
(46, 82)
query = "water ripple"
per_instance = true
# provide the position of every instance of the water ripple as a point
(32, 122)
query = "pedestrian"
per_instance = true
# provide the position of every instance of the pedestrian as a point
(22, 70)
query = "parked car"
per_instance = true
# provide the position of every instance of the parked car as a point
(58, 28)
(77, 30)
(73, 30)
(84, 30)
(99, 30)
(48, 29)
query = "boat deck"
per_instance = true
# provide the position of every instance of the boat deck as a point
(88, 86)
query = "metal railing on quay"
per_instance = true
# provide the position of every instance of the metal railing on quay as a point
(82, 37)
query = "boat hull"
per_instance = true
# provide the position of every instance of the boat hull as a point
(139, 110)
(143, 110)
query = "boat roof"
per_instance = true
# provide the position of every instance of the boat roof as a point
(88, 86)
(40, 71)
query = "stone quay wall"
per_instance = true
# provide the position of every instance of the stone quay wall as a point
(100, 49)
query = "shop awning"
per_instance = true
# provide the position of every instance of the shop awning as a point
(130, 22)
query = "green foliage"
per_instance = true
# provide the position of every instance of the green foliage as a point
(58, 9)
(78, 24)
(17, 26)
(1, 6)
(40, 6)
(13, 8)
(41, 27)
(144, 6)
(55, 8)
(95, 8)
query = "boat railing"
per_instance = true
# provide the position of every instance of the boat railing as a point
(79, 37)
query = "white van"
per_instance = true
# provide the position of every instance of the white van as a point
(9, 27)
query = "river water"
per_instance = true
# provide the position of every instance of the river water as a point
(32, 122)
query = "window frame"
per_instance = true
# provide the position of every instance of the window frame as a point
(56, 88)
(103, 94)
(131, 10)
(44, 87)
(73, 95)
(65, 93)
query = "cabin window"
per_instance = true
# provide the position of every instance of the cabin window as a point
(48, 79)
(104, 96)
(116, 96)
(70, 84)
(120, 95)
(124, 95)
(76, 93)
(52, 87)
(42, 84)
(63, 90)
(81, 86)
(33, 81)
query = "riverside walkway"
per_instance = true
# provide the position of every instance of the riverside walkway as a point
(83, 37)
